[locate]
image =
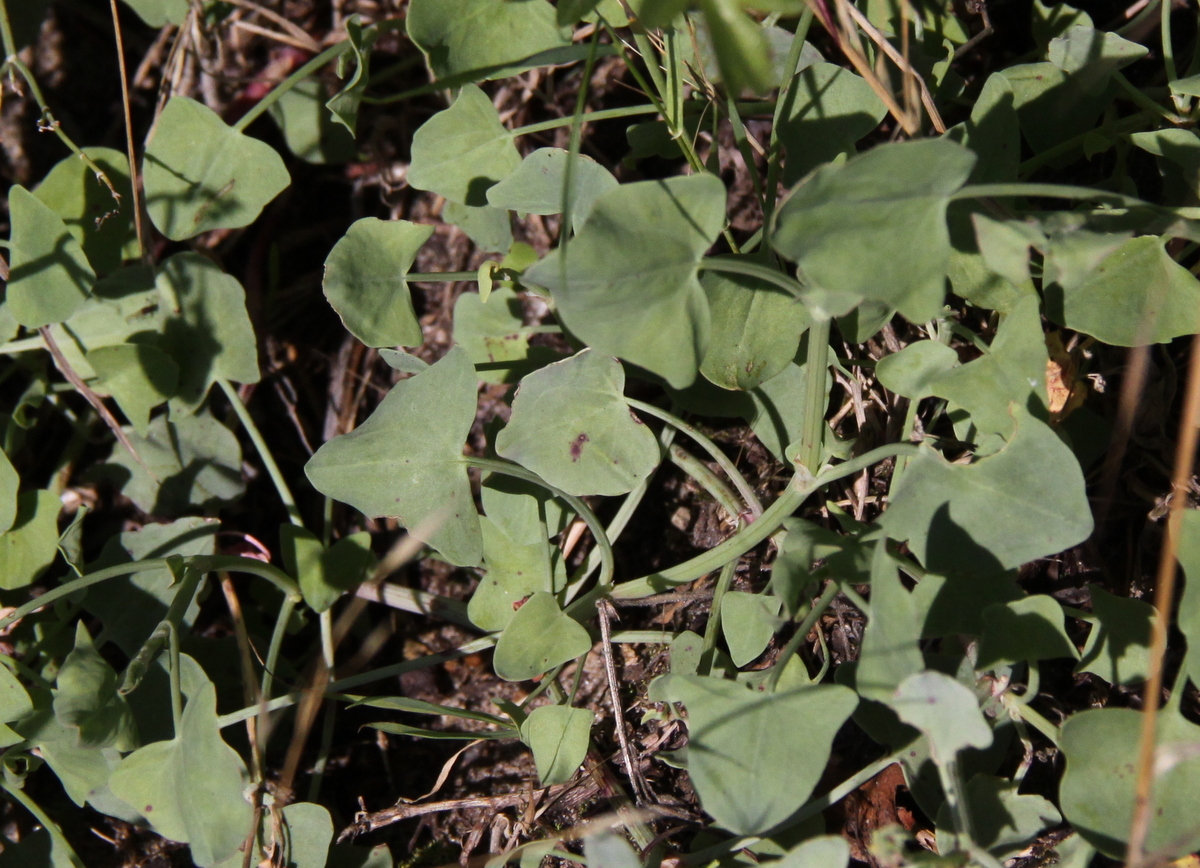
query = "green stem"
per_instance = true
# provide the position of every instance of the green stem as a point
(754, 269)
(176, 681)
(281, 622)
(586, 118)
(812, 434)
(440, 276)
(1055, 191)
(202, 563)
(1168, 50)
(18, 795)
(290, 82)
(170, 624)
(6, 37)
(314, 785)
(707, 480)
(264, 451)
(1124, 125)
(814, 614)
(713, 628)
(783, 106)
(608, 563)
(801, 486)
(24, 345)
(1143, 101)
(744, 488)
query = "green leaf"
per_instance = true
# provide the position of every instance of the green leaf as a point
(754, 758)
(1178, 153)
(417, 706)
(15, 704)
(952, 606)
(756, 330)
(87, 700)
(1002, 820)
(514, 572)
(1098, 787)
(830, 109)
(462, 151)
(526, 513)
(343, 105)
(10, 483)
(364, 280)
(201, 174)
(30, 545)
(208, 332)
(195, 461)
(457, 36)
(913, 371)
(609, 849)
(101, 224)
(494, 331)
(310, 832)
(189, 789)
(743, 52)
(536, 187)
(436, 734)
(686, 653)
(1093, 55)
(489, 228)
(130, 607)
(1136, 295)
(406, 460)
(944, 710)
(1030, 629)
(1022, 503)
(777, 416)
(138, 376)
(847, 226)
(539, 637)
(1118, 646)
(50, 277)
(1188, 554)
(571, 426)
(748, 621)
(311, 131)
(558, 736)
(890, 652)
(1053, 20)
(825, 851)
(325, 574)
(157, 13)
(993, 132)
(1053, 106)
(628, 287)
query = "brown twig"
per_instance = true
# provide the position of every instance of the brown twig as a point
(1185, 459)
(641, 792)
(139, 227)
(92, 398)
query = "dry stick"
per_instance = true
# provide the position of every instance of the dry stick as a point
(1138, 363)
(851, 46)
(133, 171)
(641, 792)
(92, 398)
(1185, 459)
(297, 32)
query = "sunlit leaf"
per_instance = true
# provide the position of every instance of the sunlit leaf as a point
(890, 651)
(628, 286)
(10, 482)
(460, 35)
(754, 758)
(1118, 645)
(850, 227)
(406, 459)
(101, 224)
(1029, 629)
(944, 710)
(493, 333)
(201, 174)
(514, 572)
(912, 371)
(524, 512)
(538, 638)
(138, 376)
(50, 277)
(536, 187)
(324, 574)
(364, 280)
(743, 52)
(462, 151)
(748, 621)
(609, 849)
(558, 736)
(825, 851)
(571, 426)
(31, 542)
(489, 228)
(830, 108)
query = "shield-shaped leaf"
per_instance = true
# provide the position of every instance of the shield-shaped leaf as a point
(536, 187)
(558, 736)
(50, 277)
(538, 638)
(87, 700)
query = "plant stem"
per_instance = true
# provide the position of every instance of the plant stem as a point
(290, 82)
(585, 118)
(754, 269)
(783, 106)
(814, 614)
(202, 563)
(131, 152)
(440, 276)
(281, 622)
(713, 628)
(744, 488)
(18, 795)
(812, 434)
(264, 451)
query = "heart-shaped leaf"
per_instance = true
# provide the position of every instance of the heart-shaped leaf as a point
(514, 572)
(912, 371)
(201, 174)
(1118, 646)
(325, 574)
(87, 700)
(558, 736)
(628, 286)
(536, 187)
(753, 757)
(138, 376)
(538, 638)
(31, 543)
(364, 280)
(494, 335)
(1022, 503)
(756, 330)
(943, 709)
(571, 426)
(101, 224)
(462, 151)
(50, 277)
(208, 332)
(524, 512)
(189, 789)
(848, 227)
(1029, 629)
(748, 621)
(406, 460)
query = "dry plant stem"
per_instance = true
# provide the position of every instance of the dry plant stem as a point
(906, 68)
(139, 227)
(606, 612)
(1131, 392)
(91, 397)
(1185, 460)
(250, 694)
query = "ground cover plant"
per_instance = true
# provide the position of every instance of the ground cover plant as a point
(628, 433)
